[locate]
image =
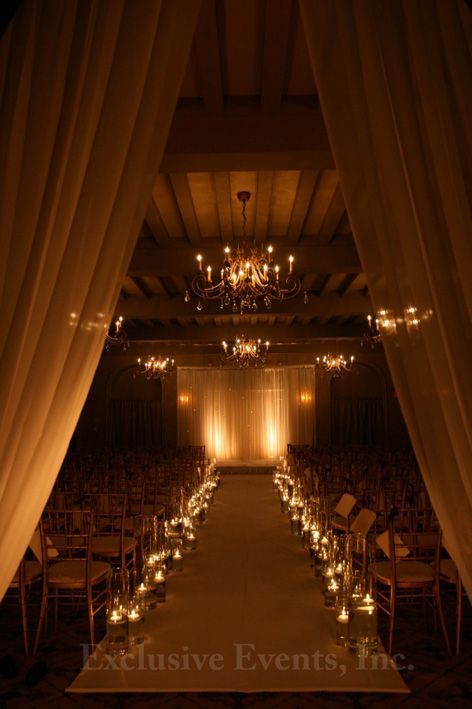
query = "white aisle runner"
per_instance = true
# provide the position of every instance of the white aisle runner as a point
(245, 615)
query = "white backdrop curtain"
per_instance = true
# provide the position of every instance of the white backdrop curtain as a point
(394, 81)
(246, 415)
(88, 91)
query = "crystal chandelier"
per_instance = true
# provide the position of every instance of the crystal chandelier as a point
(372, 336)
(246, 352)
(248, 275)
(155, 367)
(116, 335)
(335, 365)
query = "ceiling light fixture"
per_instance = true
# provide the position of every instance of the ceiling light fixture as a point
(155, 367)
(334, 365)
(248, 275)
(116, 335)
(246, 352)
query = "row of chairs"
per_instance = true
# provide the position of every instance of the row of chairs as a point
(87, 527)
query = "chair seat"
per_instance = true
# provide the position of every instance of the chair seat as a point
(33, 570)
(110, 545)
(415, 572)
(71, 574)
(339, 522)
(448, 570)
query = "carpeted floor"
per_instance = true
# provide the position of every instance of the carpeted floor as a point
(434, 678)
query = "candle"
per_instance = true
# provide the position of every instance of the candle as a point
(116, 617)
(136, 622)
(342, 629)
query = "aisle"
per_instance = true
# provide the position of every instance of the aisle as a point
(245, 615)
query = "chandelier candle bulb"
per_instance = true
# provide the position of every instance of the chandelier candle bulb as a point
(200, 259)
(290, 258)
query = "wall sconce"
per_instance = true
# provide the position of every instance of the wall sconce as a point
(305, 397)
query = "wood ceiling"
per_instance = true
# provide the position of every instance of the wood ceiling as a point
(247, 119)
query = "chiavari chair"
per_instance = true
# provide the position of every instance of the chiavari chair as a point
(70, 575)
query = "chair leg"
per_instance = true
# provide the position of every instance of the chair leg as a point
(42, 615)
(458, 615)
(24, 619)
(438, 606)
(91, 625)
(391, 628)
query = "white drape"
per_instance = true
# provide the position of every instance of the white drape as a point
(246, 415)
(88, 91)
(394, 80)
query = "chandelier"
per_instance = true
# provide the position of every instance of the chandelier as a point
(372, 335)
(335, 365)
(248, 275)
(116, 335)
(246, 352)
(155, 367)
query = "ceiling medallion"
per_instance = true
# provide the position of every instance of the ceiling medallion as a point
(246, 352)
(155, 367)
(334, 365)
(116, 335)
(248, 276)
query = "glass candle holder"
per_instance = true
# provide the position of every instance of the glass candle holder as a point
(160, 584)
(190, 539)
(177, 560)
(117, 640)
(331, 594)
(342, 626)
(136, 621)
(363, 629)
(327, 576)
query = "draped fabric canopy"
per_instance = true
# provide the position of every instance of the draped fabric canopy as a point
(246, 415)
(394, 80)
(85, 113)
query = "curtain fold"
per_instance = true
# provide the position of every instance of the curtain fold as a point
(394, 83)
(357, 421)
(246, 415)
(88, 92)
(135, 423)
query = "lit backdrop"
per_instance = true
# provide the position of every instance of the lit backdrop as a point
(246, 414)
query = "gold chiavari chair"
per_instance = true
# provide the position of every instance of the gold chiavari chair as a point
(407, 575)
(447, 573)
(71, 576)
(112, 540)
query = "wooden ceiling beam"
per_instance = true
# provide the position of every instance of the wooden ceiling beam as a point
(332, 217)
(294, 139)
(223, 204)
(181, 260)
(274, 62)
(318, 306)
(156, 225)
(306, 186)
(207, 52)
(185, 203)
(263, 195)
(275, 334)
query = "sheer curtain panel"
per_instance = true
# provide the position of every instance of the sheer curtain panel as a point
(246, 415)
(88, 91)
(394, 80)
